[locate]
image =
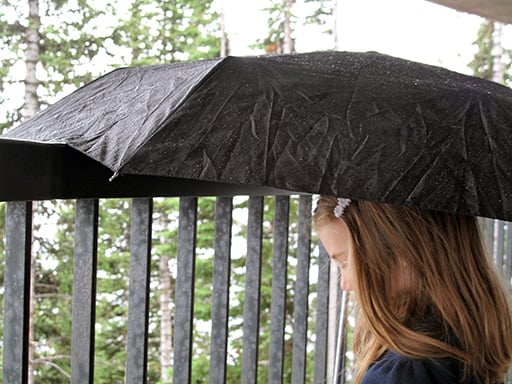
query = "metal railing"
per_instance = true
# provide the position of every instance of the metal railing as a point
(324, 313)
(299, 316)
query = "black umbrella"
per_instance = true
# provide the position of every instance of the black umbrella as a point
(359, 125)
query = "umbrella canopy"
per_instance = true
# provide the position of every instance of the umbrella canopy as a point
(359, 125)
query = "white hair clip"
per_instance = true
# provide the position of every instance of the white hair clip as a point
(340, 207)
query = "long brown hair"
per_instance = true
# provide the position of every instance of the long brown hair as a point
(455, 304)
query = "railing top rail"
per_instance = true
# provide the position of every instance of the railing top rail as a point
(42, 171)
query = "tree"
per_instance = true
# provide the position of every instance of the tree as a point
(224, 40)
(32, 36)
(164, 256)
(164, 31)
(64, 38)
(54, 40)
(53, 279)
(282, 22)
(325, 15)
(31, 106)
(12, 38)
(280, 28)
(490, 61)
(158, 32)
(71, 41)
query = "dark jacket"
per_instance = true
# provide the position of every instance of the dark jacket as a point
(393, 368)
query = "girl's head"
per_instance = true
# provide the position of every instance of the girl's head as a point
(423, 282)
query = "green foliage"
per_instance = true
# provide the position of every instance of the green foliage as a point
(163, 31)
(274, 40)
(11, 117)
(71, 39)
(12, 33)
(323, 14)
(74, 35)
(482, 63)
(165, 240)
(112, 290)
(53, 254)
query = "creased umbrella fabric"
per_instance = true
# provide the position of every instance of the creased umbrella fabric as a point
(359, 125)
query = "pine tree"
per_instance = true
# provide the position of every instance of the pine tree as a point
(154, 32)
(65, 42)
(55, 40)
(35, 40)
(281, 22)
(325, 15)
(164, 31)
(158, 32)
(491, 61)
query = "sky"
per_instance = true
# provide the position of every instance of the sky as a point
(417, 30)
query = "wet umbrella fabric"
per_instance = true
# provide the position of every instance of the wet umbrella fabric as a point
(360, 125)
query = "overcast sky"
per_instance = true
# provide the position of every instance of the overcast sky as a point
(412, 29)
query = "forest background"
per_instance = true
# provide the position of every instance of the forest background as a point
(48, 48)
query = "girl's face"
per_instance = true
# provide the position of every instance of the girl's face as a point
(336, 239)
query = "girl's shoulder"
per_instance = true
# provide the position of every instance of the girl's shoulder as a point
(394, 368)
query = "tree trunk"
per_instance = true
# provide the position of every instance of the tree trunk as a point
(166, 321)
(497, 53)
(288, 40)
(335, 24)
(32, 105)
(224, 40)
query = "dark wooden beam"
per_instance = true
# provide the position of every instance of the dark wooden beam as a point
(498, 10)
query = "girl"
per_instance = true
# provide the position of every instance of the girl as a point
(432, 308)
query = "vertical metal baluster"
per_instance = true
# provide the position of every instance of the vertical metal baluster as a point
(138, 310)
(300, 316)
(322, 316)
(183, 318)
(220, 294)
(508, 264)
(333, 320)
(499, 239)
(252, 291)
(84, 291)
(489, 240)
(341, 343)
(279, 276)
(17, 291)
